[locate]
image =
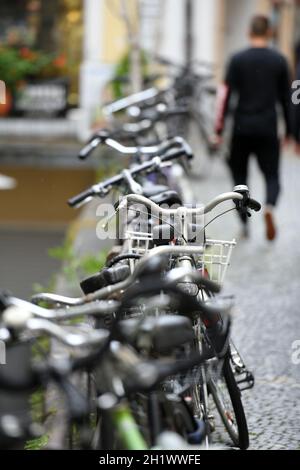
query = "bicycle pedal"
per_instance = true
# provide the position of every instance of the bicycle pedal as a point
(245, 380)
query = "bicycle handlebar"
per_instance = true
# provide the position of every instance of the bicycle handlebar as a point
(156, 209)
(177, 274)
(85, 196)
(254, 205)
(158, 371)
(165, 61)
(131, 100)
(154, 164)
(19, 319)
(99, 308)
(133, 129)
(161, 112)
(104, 137)
(240, 196)
(105, 292)
(89, 147)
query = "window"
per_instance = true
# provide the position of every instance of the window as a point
(53, 27)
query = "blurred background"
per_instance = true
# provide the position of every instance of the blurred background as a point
(61, 60)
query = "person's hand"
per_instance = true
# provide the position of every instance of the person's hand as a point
(215, 141)
(286, 141)
(297, 148)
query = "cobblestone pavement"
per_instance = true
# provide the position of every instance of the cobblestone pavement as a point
(265, 278)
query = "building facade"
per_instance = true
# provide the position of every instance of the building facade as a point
(92, 35)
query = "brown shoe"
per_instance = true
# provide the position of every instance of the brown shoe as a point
(270, 226)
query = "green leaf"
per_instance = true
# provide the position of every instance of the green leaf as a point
(37, 444)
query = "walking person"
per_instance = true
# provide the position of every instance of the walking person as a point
(259, 77)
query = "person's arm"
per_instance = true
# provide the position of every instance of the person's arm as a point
(285, 96)
(223, 97)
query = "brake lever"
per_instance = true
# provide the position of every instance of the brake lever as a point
(164, 165)
(4, 303)
(158, 165)
(242, 205)
(135, 187)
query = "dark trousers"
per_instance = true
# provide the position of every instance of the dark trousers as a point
(267, 152)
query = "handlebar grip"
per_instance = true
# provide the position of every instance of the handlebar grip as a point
(169, 156)
(177, 111)
(87, 150)
(4, 300)
(211, 286)
(254, 205)
(76, 200)
(189, 152)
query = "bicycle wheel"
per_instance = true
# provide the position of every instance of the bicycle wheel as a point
(227, 398)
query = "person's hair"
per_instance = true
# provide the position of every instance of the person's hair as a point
(260, 26)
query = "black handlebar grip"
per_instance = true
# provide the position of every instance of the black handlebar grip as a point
(4, 300)
(178, 111)
(169, 156)
(254, 205)
(76, 200)
(211, 286)
(87, 150)
(189, 153)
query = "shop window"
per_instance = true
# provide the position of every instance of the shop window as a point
(41, 40)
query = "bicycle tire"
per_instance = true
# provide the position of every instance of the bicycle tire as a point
(240, 435)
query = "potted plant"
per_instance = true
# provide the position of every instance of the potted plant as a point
(18, 65)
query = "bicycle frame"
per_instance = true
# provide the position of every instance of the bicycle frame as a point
(127, 428)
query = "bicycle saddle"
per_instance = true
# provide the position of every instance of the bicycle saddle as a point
(161, 194)
(168, 197)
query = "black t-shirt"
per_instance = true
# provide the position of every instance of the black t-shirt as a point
(260, 78)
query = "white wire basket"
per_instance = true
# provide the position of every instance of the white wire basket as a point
(138, 242)
(213, 263)
(216, 258)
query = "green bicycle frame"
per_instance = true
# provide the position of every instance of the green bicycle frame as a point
(127, 429)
